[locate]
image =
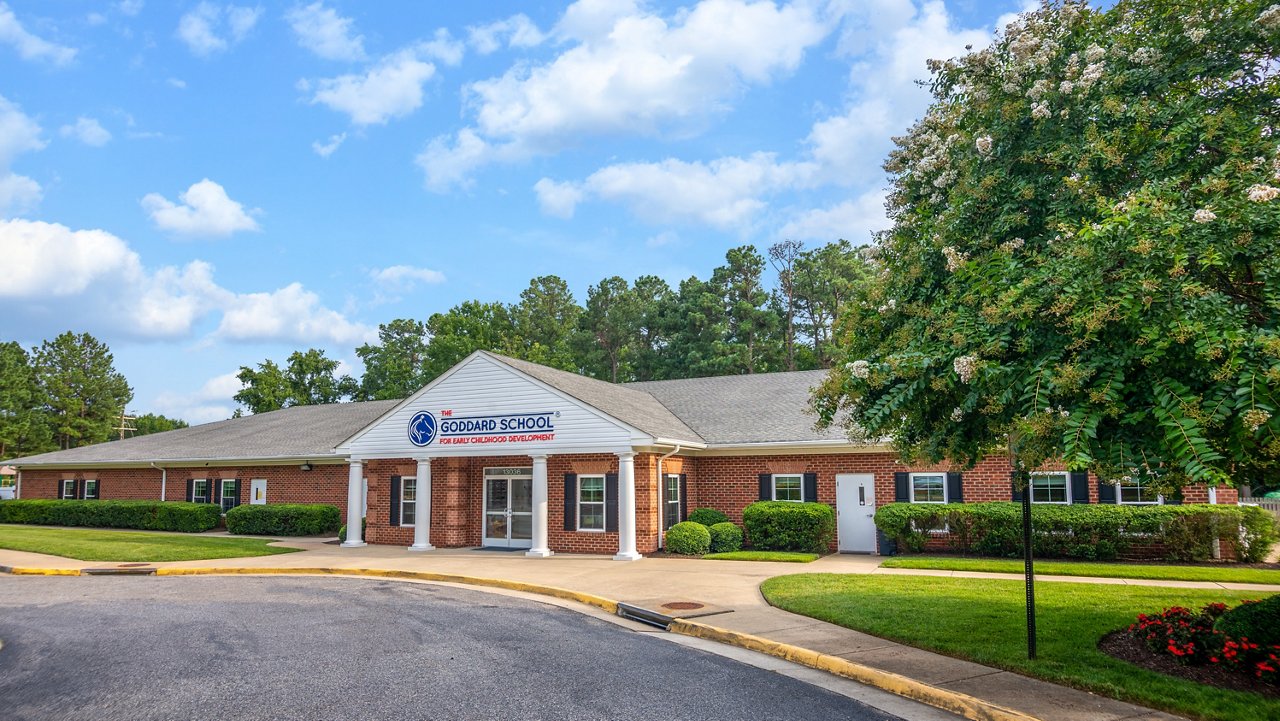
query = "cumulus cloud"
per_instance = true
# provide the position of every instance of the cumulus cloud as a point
(404, 276)
(209, 28)
(326, 33)
(443, 47)
(327, 148)
(18, 134)
(213, 401)
(558, 199)
(130, 7)
(517, 31)
(203, 209)
(88, 131)
(56, 276)
(854, 220)
(390, 89)
(31, 47)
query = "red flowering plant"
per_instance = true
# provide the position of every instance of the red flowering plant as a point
(1191, 638)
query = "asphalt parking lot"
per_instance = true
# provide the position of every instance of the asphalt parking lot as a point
(331, 648)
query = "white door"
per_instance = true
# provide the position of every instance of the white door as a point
(855, 512)
(258, 491)
(508, 507)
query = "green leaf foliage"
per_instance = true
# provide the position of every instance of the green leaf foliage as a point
(284, 519)
(726, 537)
(688, 539)
(1258, 621)
(789, 526)
(707, 516)
(144, 515)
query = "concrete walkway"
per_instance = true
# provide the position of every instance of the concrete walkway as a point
(717, 585)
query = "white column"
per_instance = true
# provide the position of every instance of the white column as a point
(540, 548)
(355, 479)
(627, 508)
(422, 509)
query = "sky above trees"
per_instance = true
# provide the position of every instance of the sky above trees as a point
(203, 185)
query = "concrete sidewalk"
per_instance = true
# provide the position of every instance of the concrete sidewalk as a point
(716, 585)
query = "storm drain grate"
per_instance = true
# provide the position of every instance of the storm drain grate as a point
(682, 606)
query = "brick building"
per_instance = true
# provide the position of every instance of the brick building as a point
(502, 452)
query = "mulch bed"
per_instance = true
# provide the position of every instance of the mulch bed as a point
(1125, 647)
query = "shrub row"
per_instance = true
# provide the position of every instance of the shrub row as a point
(284, 519)
(145, 515)
(1095, 532)
(789, 526)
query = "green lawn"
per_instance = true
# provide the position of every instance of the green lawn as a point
(94, 544)
(777, 556)
(985, 621)
(1222, 574)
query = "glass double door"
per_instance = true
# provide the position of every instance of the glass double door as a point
(508, 507)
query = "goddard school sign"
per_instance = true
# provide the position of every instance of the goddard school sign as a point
(424, 429)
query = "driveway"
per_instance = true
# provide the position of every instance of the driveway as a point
(309, 648)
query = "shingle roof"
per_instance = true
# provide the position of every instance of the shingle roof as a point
(756, 408)
(297, 432)
(633, 407)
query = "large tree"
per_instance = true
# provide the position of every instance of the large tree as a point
(149, 423)
(826, 279)
(545, 323)
(1084, 262)
(464, 329)
(394, 367)
(24, 427)
(309, 378)
(84, 392)
(610, 326)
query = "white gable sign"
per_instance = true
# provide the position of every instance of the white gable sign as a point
(483, 407)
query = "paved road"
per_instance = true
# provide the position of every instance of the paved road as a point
(310, 648)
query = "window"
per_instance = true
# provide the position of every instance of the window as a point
(200, 491)
(1136, 493)
(1049, 488)
(408, 501)
(928, 488)
(229, 497)
(590, 503)
(68, 488)
(672, 504)
(788, 488)
(91, 490)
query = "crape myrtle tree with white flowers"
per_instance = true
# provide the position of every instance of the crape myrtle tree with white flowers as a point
(1084, 263)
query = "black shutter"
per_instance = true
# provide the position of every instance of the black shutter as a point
(901, 487)
(215, 491)
(766, 487)
(1016, 493)
(80, 489)
(684, 496)
(97, 490)
(1106, 492)
(237, 492)
(570, 501)
(809, 491)
(1080, 487)
(611, 501)
(955, 487)
(191, 490)
(395, 500)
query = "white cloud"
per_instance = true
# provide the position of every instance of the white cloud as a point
(326, 149)
(205, 209)
(558, 199)
(95, 19)
(177, 83)
(326, 33)
(88, 131)
(517, 31)
(91, 279)
(390, 89)
(130, 7)
(211, 402)
(406, 276)
(853, 220)
(443, 47)
(628, 71)
(18, 134)
(29, 46)
(210, 28)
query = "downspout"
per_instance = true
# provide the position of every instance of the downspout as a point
(164, 479)
(662, 487)
(17, 488)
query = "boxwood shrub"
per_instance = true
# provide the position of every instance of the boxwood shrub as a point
(789, 526)
(707, 516)
(725, 537)
(342, 532)
(144, 515)
(688, 538)
(1258, 621)
(284, 519)
(1093, 532)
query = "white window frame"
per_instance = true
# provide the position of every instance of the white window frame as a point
(911, 486)
(208, 490)
(96, 494)
(63, 495)
(222, 497)
(1066, 487)
(1137, 484)
(404, 485)
(667, 503)
(799, 486)
(603, 503)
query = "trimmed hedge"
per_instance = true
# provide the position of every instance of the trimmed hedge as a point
(1257, 621)
(707, 516)
(143, 515)
(789, 526)
(284, 519)
(342, 532)
(1093, 532)
(725, 537)
(688, 538)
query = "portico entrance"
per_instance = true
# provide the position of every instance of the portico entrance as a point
(508, 507)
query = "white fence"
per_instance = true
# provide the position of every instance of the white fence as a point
(1271, 504)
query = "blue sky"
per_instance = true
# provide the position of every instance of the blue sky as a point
(204, 185)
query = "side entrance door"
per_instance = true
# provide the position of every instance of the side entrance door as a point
(257, 491)
(508, 507)
(855, 512)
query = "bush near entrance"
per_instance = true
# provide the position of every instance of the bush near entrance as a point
(1259, 622)
(284, 519)
(725, 538)
(707, 516)
(342, 532)
(1095, 532)
(143, 515)
(688, 538)
(789, 526)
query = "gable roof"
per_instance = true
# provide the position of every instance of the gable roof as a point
(297, 432)
(744, 409)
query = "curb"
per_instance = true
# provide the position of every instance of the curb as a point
(961, 704)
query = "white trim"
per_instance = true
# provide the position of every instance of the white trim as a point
(773, 487)
(1045, 474)
(208, 490)
(603, 503)
(1120, 496)
(666, 478)
(183, 463)
(415, 501)
(222, 493)
(911, 487)
(62, 489)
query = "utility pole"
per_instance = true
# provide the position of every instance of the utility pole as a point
(126, 424)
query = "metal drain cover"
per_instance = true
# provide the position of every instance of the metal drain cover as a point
(682, 606)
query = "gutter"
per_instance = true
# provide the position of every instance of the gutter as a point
(315, 460)
(164, 478)
(661, 486)
(17, 488)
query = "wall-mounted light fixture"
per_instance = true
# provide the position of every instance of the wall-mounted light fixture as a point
(305, 466)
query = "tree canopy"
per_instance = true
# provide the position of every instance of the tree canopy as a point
(308, 378)
(1083, 263)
